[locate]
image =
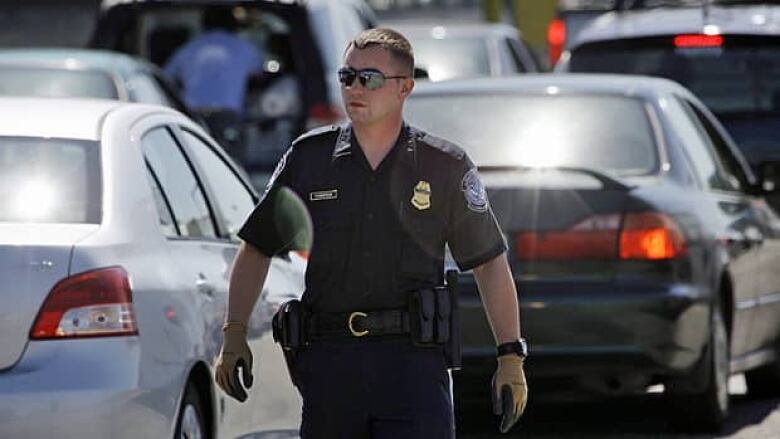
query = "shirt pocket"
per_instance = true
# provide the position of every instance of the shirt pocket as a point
(422, 244)
(333, 226)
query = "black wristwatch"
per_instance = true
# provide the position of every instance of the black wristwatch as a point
(517, 347)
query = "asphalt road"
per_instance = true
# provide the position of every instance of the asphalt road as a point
(634, 418)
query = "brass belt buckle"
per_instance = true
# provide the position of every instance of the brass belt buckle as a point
(351, 328)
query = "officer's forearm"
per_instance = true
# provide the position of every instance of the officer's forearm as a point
(247, 276)
(499, 295)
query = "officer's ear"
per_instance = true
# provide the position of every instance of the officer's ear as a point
(407, 85)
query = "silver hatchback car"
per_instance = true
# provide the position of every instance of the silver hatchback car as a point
(117, 232)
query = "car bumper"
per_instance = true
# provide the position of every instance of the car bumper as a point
(79, 388)
(603, 335)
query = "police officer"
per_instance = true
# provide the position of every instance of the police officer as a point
(384, 199)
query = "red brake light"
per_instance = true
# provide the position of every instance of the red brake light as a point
(646, 236)
(595, 237)
(91, 304)
(698, 40)
(650, 236)
(556, 37)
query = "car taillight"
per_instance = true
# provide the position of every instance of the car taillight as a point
(696, 40)
(646, 236)
(556, 37)
(650, 236)
(595, 237)
(323, 114)
(92, 304)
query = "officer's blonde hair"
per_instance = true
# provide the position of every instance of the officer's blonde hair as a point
(390, 40)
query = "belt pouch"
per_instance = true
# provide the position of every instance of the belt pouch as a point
(287, 325)
(443, 312)
(422, 310)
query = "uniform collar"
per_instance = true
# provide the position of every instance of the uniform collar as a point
(343, 145)
(407, 142)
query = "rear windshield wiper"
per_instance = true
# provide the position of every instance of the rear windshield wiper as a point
(606, 180)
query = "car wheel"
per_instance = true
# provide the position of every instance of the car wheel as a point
(707, 409)
(190, 424)
(764, 381)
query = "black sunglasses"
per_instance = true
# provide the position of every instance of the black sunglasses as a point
(371, 79)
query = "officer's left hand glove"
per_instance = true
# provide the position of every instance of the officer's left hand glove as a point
(235, 353)
(510, 392)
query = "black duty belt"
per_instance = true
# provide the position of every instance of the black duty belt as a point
(358, 324)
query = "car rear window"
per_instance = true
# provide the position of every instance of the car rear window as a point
(454, 57)
(56, 83)
(739, 75)
(49, 180)
(608, 133)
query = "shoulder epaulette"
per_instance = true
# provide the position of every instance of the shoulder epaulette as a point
(316, 132)
(443, 145)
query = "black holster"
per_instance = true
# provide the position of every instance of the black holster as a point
(288, 330)
(434, 319)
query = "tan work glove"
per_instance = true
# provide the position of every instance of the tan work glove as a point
(235, 353)
(510, 392)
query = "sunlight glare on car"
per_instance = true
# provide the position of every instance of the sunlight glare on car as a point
(539, 146)
(34, 200)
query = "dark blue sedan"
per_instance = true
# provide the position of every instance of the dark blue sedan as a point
(642, 246)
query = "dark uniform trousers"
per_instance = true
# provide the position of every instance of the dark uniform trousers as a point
(379, 234)
(385, 389)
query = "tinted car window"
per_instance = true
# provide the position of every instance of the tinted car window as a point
(49, 180)
(597, 132)
(739, 81)
(692, 141)
(454, 57)
(56, 83)
(178, 183)
(741, 75)
(734, 174)
(164, 214)
(233, 199)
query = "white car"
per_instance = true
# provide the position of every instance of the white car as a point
(117, 233)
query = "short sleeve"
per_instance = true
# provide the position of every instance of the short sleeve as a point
(474, 236)
(260, 229)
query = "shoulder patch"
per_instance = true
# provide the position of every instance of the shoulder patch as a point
(474, 191)
(315, 133)
(443, 145)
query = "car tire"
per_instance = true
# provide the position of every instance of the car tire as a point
(706, 410)
(191, 423)
(764, 382)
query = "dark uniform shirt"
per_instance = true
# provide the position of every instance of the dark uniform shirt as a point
(379, 234)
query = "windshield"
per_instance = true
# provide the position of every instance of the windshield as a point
(605, 133)
(49, 180)
(455, 57)
(55, 83)
(738, 76)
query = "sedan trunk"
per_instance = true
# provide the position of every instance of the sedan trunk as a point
(34, 258)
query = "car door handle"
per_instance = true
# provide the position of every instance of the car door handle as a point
(204, 286)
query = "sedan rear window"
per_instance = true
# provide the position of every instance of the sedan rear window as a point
(49, 180)
(607, 133)
(732, 74)
(455, 57)
(55, 83)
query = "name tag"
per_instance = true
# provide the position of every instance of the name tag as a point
(324, 195)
